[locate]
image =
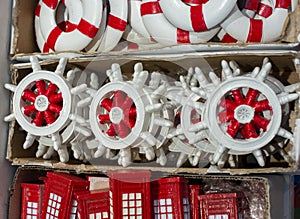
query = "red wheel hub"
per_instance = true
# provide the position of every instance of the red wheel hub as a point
(121, 114)
(244, 114)
(43, 105)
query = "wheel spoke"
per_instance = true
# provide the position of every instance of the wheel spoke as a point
(52, 88)
(54, 108)
(29, 95)
(238, 96)
(261, 122)
(119, 97)
(262, 106)
(28, 110)
(55, 98)
(104, 118)
(39, 119)
(41, 87)
(248, 131)
(49, 117)
(226, 116)
(123, 129)
(106, 104)
(233, 128)
(127, 103)
(111, 130)
(251, 96)
(129, 121)
(228, 105)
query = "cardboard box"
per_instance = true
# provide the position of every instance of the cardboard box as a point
(256, 189)
(23, 42)
(284, 69)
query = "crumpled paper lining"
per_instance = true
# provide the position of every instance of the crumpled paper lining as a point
(254, 191)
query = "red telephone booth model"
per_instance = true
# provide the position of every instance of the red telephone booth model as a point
(93, 204)
(31, 200)
(58, 201)
(170, 198)
(223, 206)
(195, 201)
(129, 194)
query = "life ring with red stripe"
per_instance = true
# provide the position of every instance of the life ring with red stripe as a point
(164, 32)
(196, 18)
(116, 25)
(252, 9)
(246, 29)
(135, 19)
(77, 39)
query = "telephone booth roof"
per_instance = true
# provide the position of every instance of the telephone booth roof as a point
(131, 176)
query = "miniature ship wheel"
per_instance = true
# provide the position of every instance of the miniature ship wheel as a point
(129, 114)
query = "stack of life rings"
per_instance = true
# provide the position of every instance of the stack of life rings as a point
(106, 25)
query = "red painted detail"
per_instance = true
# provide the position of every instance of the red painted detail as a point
(197, 18)
(238, 96)
(283, 4)
(255, 30)
(250, 98)
(150, 8)
(228, 39)
(29, 95)
(29, 110)
(55, 98)
(104, 118)
(53, 36)
(39, 119)
(233, 128)
(38, 10)
(106, 104)
(51, 3)
(55, 108)
(87, 28)
(183, 36)
(264, 10)
(49, 117)
(116, 23)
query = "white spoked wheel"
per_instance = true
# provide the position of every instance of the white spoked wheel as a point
(117, 116)
(240, 120)
(196, 18)
(242, 114)
(128, 114)
(41, 103)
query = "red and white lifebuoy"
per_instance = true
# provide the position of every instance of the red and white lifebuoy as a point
(135, 19)
(246, 29)
(253, 9)
(164, 32)
(199, 17)
(116, 25)
(81, 36)
(74, 14)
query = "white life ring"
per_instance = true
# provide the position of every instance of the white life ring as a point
(253, 8)
(77, 39)
(67, 25)
(164, 32)
(116, 24)
(246, 29)
(196, 18)
(135, 19)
